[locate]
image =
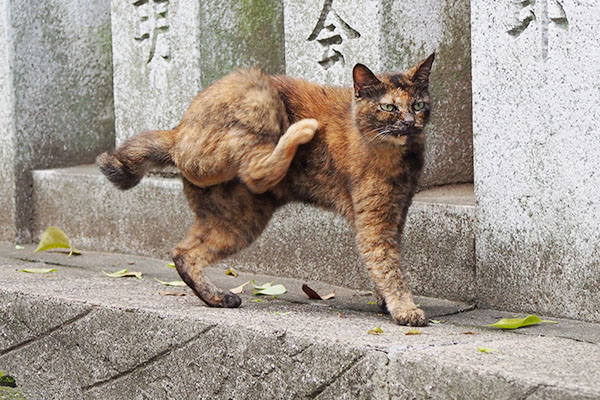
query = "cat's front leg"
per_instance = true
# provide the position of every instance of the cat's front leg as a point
(377, 239)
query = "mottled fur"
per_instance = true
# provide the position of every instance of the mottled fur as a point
(241, 160)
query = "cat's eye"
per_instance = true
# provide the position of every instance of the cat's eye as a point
(418, 106)
(387, 107)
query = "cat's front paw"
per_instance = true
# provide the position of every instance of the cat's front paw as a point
(412, 316)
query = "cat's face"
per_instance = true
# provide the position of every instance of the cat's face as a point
(392, 108)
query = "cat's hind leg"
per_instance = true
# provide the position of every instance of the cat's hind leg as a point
(264, 167)
(229, 218)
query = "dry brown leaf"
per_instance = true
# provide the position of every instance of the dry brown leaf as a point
(165, 293)
(239, 289)
(313, 295)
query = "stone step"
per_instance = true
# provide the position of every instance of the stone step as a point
(300, 241)
(76, 333)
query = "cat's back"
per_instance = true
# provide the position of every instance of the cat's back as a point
(244, 98)
(304, 99)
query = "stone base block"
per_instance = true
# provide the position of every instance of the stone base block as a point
(300, 241)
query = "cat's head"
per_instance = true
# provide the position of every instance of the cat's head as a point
(392, 108)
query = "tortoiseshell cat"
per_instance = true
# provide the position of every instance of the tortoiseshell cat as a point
(240, 159)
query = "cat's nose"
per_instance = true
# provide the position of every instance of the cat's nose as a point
(409, 121)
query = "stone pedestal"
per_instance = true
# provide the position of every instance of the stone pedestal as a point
(55, 96)
(326, 38)
(536, 91)
(165, 52)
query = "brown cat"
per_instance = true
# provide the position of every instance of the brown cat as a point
(241, 159)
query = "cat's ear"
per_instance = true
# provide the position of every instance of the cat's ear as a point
(363, 78)
(420, 73)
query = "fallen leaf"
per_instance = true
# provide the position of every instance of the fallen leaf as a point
(313, 295)
(171, 283)
(274, 290)
(166, 293)
(341, 315)
(468, 333)
(261, 287)
(268, 289)
(7, 381)
(281, 314)
(19, 247)
(375, 331)
(486, 350)
(413, 332)
(171, 265)
(310, 292)
(514, 323)
(371, 302)
(257, 301)
(38, 270)
(239, 289)
(232, 272)
(124, 273)
(54, 238)
(434, 321)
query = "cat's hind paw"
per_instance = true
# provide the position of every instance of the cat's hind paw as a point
(412, 317)
(303, 131)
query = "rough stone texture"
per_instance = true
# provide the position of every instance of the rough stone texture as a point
(120, 338)
(166, 52)
(55, 95)
(393, 36)
(7, 151)
(300, 241)
(536, 87)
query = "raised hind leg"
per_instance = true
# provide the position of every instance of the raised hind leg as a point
(229, 218)
(264, 167)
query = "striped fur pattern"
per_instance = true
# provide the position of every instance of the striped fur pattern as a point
(251, 143)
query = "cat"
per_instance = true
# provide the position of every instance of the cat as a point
(252, 142)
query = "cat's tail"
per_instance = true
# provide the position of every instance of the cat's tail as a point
(126, 165)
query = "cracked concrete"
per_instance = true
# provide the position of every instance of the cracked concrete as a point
(77, 334)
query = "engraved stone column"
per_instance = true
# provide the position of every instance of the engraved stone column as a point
(56, 105)
(536, 97)
(166, 51)
(326, 38)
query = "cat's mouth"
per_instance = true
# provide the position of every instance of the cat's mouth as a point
(403, 133)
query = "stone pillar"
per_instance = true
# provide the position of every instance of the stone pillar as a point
(55, 96)
(536, 93)
(326, 38)
(166, 51)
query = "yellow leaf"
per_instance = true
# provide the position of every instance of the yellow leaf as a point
(171, 265)
(38, 270)
(375, 331)
(514, 323)
(486, 350)
(54, 238)
(232, 272)
(413, 332)
(172, 283)
(124, 273)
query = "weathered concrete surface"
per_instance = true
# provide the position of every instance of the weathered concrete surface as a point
(55, 96)
(166, 52)
(326, 38)
(77, 334)
(536, 69)
(300, 241)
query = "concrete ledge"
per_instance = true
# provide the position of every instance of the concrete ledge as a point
(300, 241)
(77, 334)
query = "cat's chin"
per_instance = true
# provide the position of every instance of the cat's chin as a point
(403, 138)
